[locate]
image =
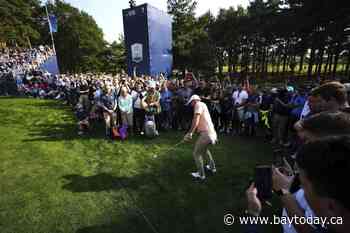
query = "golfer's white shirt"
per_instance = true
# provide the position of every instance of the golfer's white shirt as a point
(205, 124)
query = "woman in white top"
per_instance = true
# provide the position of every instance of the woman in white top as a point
(125, 104)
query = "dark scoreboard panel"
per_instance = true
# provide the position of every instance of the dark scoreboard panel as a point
(148, 40)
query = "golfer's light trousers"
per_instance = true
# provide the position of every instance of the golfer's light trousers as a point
(201, 150)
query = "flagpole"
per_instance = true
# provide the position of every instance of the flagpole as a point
(52, 39)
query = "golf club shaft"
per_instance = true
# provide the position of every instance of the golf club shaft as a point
(172, 148)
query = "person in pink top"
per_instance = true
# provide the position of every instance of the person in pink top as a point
(202, 123)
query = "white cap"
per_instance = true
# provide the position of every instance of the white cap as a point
(194, 97)
(152, 84)
(274, 90)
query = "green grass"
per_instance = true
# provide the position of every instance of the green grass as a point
(53, 181)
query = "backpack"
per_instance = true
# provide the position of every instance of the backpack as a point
(123, 132)
(150, 127)
(120, 133)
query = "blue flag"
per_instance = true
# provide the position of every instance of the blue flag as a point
(53, 23)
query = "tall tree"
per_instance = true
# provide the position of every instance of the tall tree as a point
(79, 40)
(203, 57)
(183, 12)
(20, 21)
(113, 57)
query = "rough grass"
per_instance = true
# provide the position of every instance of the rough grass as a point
(53, 181)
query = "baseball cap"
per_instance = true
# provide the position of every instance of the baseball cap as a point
(290, 89)
(194, 97)
(152, 84)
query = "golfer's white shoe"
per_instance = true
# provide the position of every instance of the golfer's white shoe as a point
(209, 169)
(196, 175)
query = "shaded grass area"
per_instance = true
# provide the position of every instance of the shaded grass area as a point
(54, 181)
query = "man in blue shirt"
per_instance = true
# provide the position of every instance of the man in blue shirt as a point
(297, 102)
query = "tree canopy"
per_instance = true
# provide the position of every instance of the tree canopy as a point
(275, 37)
(79, 41)
(20, 21)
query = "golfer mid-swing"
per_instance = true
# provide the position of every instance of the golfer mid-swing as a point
(203, 124)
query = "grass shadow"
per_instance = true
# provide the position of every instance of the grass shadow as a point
(8, 97)
(62, 131)
(98, 183)
(51, 104)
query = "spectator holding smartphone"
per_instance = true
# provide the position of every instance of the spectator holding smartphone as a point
(323, 184)
(313, 129)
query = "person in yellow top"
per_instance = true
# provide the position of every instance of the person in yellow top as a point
(202, 123)
(150, 101)
(151, 104)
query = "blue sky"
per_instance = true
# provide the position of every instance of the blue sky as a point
(108, 13)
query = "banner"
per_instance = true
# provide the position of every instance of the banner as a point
(51, 65)
(53, 23)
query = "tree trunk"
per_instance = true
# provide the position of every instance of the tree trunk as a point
(311, 62)
(29, 43)
(234, 64)
(220, 67)
(284, 64)
(230, 62)
(247, 63)
(327, 63)
(266, 65)
(293, 64)
(254, 63)
(219, 61)
(272, 59)
(285, 57)
(347, 64)
(330, 64)
(242, 63)
(336, 59)
(301, 64)
(278, 64)
(320, 62)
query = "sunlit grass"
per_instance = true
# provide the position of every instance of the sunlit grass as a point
(54, 181)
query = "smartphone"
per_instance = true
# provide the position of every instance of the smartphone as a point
(263, 181)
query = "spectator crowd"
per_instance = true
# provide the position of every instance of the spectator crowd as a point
(19, 66)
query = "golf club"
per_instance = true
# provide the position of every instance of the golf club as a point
(169, 149)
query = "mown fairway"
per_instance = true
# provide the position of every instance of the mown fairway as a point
(53, 181)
